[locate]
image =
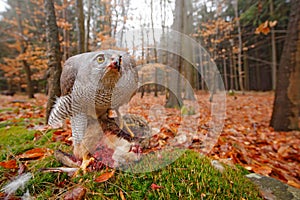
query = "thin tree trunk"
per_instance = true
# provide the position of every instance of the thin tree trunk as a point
(116, 20)
(225, 72)
(273, 42)
(175, 100)
(189, 52)
(66, 34)
(54, 56)
(287, 96)
(240, 70)
(124, 15)
(80, 26)
(154, 49)
(246, 71)
(231, 70)
(87, 35)
(236, 84)
(257, 70)
(23, 43)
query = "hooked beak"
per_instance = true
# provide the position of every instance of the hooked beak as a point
(114, 66)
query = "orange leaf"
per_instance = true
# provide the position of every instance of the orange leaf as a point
(293, 183)
(155, 187)
(263, 28)
(33, 154)
(11, 164)
(264, 170)
(272, 23)
(122, 195)
(104, 177)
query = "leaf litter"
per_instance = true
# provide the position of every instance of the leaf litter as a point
(246, 138)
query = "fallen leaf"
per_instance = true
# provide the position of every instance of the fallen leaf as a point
(61, 135)
(122, 195)
(104, 177)
(155, 187)
(10, 164)
(76, 193)
(264, 170)
(33, 154)
(37, 136)
(294, 184)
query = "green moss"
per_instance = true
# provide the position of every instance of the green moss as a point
(190, 177)
(15, 140)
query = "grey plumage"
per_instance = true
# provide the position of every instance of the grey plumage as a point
(92, 83)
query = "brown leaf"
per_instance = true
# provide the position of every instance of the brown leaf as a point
(264, 170)
(76, 193)
(155, 187)
(10, 164)
(104, 177)
(33, 154)
(122, 195)
(294, 184)
(61, 135)
(263, 28)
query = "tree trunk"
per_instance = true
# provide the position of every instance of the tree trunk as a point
(54, 55)
(241, 82)
(154, 49)
(273, 42)
(287, 95)
(188, 52)
(175, 100)
(246, 71)
(23, 43)
(231, 69)
(87, 36)
(235, 75)
(225, 72)
(66, 34)
(80, 26)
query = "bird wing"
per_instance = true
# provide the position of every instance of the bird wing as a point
(62, 108)
(68, 77)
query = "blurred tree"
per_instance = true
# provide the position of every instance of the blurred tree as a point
(174, 99)
(80, 26)
(287, 95)
(54, 56)
(23, 45)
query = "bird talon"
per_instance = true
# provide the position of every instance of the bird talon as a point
(85, 163)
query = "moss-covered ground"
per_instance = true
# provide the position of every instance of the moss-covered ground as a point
(189, 177)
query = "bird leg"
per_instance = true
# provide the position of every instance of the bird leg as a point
(86, 161)
(124, 124)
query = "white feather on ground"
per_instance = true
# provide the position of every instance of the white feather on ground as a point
(14, 185)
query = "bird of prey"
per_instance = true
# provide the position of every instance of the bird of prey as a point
(91, 85)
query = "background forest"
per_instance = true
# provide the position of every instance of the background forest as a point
(244, 38)
(221, 27)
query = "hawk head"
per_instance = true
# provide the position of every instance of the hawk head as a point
(103, 68)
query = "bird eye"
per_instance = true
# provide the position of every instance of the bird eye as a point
(100, 59)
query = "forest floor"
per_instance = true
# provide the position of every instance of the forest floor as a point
(246, 138)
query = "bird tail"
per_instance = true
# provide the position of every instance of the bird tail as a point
(60, 111)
